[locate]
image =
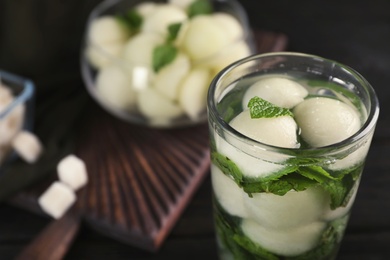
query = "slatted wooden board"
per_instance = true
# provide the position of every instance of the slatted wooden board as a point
(140, 179)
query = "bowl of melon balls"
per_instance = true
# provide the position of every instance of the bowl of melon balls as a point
(151, 62)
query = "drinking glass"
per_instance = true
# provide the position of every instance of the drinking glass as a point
(277, 202)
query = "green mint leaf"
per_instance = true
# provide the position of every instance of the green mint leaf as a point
(260, 108)
(131, 19)
(163, 55)
(199, 7)
(257, 252)
(281, 186)
(316, 173)
(228, 167)
(173, 31)
(339, 191)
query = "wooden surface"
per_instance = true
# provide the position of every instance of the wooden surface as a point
(355, 33)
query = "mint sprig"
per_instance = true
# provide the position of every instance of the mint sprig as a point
(163, 55)
(199, 7)
(131, 20)
(292, 177)
(260, 108)
(173, 31)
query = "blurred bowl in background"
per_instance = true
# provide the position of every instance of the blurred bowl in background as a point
(151, 62)
(16, 111)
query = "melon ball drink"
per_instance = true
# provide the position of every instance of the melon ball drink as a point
(289, 136)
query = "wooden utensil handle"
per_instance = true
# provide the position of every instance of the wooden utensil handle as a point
(54, 241)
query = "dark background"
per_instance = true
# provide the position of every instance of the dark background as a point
(41, 39)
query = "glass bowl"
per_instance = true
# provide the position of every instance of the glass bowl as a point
(122, 70)
(16, 111)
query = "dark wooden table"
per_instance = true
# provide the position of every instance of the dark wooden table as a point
(355, 33)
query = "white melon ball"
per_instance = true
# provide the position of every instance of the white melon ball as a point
(193, 92)
(100, 57)
(203, 37)
(324, 121)
(106, 40)
(168, 79)
(106, 30)
(114, 86)
(162, 16)
(289, 242)
(227, 193)
(232, 27)
(139, 49)
(280, 91)
(294, 209)
(146, 8)
(278, 131)
(183, 4)
(228, 55)
(252, 166)
(155, 106)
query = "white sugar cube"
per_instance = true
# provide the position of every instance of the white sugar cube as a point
(57, 199)
(72, 171)
(28, 146)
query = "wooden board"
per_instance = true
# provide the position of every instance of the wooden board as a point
(140, 179)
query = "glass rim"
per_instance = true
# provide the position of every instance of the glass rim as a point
(365, 129)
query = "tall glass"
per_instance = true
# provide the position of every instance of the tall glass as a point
(276, 199)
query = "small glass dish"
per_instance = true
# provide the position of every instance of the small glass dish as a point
(144, 109)
(16, 111)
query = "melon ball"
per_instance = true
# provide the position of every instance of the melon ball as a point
(146, 8)
(183, 4)
(162, 16)
(100, 56)
(228, 55)
(280, 91)
(279, 131)
(252, 166)
(294, 209)
(232, 27)
(203, 37)
(168, 79)
(193, 92)
(115, 87)
(106, 39)
(139, 49)
(325, 121)
(227, 193)
(106, 30)
(155, 106)
(289, 242)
